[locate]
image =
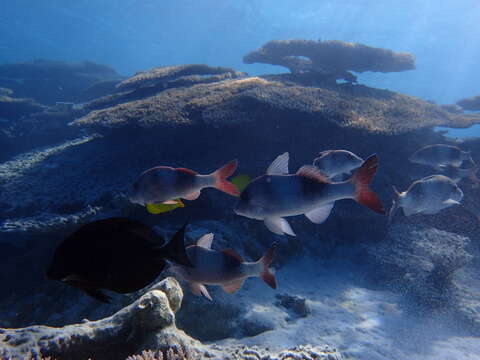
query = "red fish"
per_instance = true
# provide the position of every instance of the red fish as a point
(165, 184)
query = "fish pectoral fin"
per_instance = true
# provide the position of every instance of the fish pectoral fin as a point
(320, 214)
(192, 196)
(199, 289)
(451, 202)
(170, 202)
(233, 287)
(279, 226)
(206, 241)
(98, 295)
(279, 166)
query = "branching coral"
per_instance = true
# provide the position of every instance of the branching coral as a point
(333, 59)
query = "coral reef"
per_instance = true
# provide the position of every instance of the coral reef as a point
(263, 101)
(148, 323)
(332, 59)
(13, 109)
(472, 103)
(422, 260)
(49, 81)
(151, 82)
(162, 75)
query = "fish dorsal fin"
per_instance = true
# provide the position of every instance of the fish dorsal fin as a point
(233, 287)
(187, 171)
(324, 153)
(205, 241)
(279, 166)
(192, 196)
(312, 172)
(233, 254)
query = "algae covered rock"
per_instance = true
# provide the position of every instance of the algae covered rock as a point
(422, 260)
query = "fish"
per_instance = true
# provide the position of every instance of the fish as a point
(439, 156)
(223, 268)
(278, 194)
(241, 181)
(116, 254)
(428, 196)
(457, 174)
(334, 163)
(165, 184)
(163, 208)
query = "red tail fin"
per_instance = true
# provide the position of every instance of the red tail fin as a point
(362, 177)
(220, 178)
(266, 274)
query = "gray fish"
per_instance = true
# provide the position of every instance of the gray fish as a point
(457, 174)
(165, 184)
(334, 163)
(277, 194)
(439, 156)
(427, 196)
(224, 268)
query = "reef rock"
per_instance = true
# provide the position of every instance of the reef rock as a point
(49, 81)
(13, 109)
(422, 261)
(472, 103)
(333, 59)
(148, 323)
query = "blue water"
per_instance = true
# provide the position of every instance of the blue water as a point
(131, 35)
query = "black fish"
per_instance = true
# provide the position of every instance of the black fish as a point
(117, 254)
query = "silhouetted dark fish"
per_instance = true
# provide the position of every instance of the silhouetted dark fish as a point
(116, 254)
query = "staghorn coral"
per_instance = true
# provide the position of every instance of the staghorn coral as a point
(471, 104)
(333, 59)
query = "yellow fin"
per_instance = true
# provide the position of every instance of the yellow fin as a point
(162, 208)
(241, 181)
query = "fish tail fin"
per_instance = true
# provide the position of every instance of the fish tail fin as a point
(395, 205)
(266, 273)
(175, 249)
(361, 179)
(220, 176)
